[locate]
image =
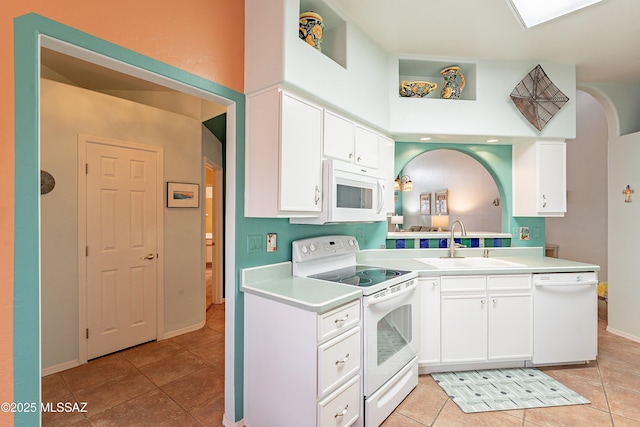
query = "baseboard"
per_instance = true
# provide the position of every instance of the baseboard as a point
(191, 328)
(59, 368)
(429, 369)
(623, 334)
(226, 422)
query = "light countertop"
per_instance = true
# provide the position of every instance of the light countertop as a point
(533, 261)
(277, 283)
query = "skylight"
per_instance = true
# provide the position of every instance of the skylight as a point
(534, 12)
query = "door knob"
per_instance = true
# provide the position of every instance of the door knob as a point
(149, 256)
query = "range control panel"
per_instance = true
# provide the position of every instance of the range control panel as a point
(324, 246)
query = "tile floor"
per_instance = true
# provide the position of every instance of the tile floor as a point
(179, 382)
(174, 382)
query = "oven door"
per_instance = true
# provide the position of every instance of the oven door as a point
(390, 335)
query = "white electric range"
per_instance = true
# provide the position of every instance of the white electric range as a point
(390, 318)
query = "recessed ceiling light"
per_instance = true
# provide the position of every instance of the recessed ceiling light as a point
(492, 140)
(425, 138)
(536, 12)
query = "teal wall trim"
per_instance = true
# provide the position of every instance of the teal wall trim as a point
(26, 307)
(497, 160)
(26, 292)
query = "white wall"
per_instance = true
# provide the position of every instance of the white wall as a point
(472, 190)
(624, 235)
(67, 111)
(582, 233)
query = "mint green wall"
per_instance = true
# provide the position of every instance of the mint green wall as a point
(497, 160)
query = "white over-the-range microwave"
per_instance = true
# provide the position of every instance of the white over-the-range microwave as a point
(351, 193)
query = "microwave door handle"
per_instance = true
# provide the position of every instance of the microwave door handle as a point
(380, 197)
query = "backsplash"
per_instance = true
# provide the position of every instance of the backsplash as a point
(473, 242)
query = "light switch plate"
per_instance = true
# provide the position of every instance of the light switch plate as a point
(272, 242)
(254, 244)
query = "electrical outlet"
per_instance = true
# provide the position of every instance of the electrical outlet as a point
(254, 244)
(360, 236)
(272, 242)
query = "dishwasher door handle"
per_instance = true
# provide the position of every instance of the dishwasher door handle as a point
(554, 284)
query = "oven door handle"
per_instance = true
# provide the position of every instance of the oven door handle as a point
(371, 300)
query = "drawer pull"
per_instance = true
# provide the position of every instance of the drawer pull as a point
(343, 361)
(344, 319)
(342, 413)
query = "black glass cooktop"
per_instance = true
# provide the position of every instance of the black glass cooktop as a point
(360, 275)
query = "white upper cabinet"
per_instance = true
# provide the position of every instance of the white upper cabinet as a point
(283, 164)
(347, 141)
(539, 179)
(367, 148)
(387, 160)
(339, 137)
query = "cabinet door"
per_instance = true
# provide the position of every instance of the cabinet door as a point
(510, 326)
(300, 155)
(339, 137)
(464, 328)
(387, 156)
(429, 328)
(367, 148)
(552, 185)
(539, 179)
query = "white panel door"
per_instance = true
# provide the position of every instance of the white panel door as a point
(121, 197)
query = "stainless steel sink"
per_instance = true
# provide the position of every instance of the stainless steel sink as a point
(469, 262)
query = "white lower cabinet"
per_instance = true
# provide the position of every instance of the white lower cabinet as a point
(464, 319)
(510, 317)
(301, 368)
(342, 408)
(429, 328)
(476, 319)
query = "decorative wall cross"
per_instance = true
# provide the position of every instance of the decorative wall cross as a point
(628, 191)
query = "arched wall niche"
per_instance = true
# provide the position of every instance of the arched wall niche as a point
(475, 177)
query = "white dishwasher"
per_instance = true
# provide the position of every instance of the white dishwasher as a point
(565, 317)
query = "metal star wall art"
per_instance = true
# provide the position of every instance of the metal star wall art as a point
(537, 98)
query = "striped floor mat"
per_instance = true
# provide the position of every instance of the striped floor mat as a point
(505, 389)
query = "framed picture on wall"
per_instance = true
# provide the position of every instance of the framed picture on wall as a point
(442, 202)
(183, 195)
(425, 203)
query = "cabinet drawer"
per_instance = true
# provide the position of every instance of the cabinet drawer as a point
(338, 320)
(338, 359)
(342, 408)
(462, 283)
(509, 281)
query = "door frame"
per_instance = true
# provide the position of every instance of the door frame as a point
(31, 32)
(218, 229)
(83, 312)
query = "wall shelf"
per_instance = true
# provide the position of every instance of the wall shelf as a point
(419, 69)
(334, 35)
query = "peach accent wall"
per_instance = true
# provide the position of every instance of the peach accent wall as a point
(203, 37)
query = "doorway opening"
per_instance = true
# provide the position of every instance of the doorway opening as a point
(32, 33)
